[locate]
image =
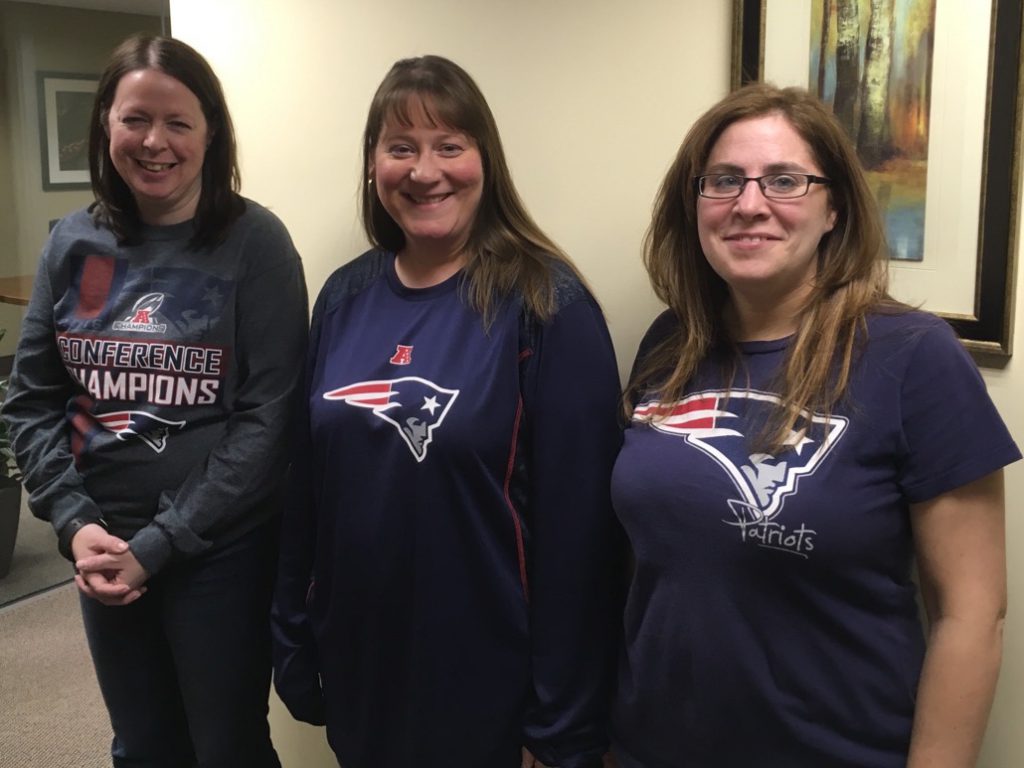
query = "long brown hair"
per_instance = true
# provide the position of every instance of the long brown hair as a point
(219, 202)
(851, 277)
(507, 251)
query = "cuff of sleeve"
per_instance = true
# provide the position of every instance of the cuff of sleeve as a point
(588, 758)
(69, 529)
(589, 761)
(309, 709)
(303, 697)
(151, 548)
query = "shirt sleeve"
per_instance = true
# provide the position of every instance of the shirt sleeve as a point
(952, 432)
(248, 462)
(571, 406)
(34, 409)
(296, 664)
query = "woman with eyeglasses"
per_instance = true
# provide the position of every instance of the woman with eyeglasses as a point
(797, 439)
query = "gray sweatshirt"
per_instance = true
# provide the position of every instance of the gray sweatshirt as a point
(153, 384)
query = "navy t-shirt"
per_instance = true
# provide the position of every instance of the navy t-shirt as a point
(772, 618)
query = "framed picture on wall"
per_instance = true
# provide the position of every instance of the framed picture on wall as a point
(65, 108)
(930, 93)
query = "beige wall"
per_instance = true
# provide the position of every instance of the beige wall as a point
(574, 86)
(592, 97)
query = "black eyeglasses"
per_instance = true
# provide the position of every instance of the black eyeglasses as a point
(775, 186)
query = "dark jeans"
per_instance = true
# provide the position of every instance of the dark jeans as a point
(185, 669)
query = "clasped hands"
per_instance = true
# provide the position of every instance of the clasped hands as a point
(106, 569)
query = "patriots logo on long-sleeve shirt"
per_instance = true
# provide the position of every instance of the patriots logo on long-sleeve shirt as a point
(414, 406)
(719, 424)
(150, 429)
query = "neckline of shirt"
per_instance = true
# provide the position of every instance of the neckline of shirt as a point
(764, 347)
(419, 294)
(181, 231)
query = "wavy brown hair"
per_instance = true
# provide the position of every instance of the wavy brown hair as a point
(219, 201)
(851, 278)
(506, 252)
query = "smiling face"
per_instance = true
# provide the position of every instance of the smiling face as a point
(765, 250)
(158, 139)
(429, 178)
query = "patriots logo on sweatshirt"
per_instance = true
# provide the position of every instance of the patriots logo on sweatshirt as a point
(413, 406)
(150, 429)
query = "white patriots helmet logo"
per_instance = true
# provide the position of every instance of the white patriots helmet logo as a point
(716, 422)
(151, 430)
(414, 406)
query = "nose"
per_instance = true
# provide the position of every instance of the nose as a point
(425, 170)
(751, 201)
(155, 138)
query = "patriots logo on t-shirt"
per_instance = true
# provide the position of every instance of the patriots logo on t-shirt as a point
(721, 423)
(150, 429)
(414, 406)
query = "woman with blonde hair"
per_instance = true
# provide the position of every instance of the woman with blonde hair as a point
(445, 596)
(797, 439)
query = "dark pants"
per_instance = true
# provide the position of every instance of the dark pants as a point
(185, 669)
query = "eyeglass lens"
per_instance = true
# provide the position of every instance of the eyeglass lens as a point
(775, 185)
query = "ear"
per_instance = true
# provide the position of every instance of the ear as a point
(831, 218)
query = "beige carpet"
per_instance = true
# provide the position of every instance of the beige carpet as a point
(51, 712)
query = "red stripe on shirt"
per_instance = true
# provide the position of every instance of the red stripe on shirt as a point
(94, 285)
(520, 548)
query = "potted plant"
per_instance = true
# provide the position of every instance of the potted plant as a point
(10, 491)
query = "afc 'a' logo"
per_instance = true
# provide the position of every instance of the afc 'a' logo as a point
(414, 406)
(402, 356)
(141, 317)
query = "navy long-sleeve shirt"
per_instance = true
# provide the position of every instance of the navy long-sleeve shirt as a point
(452, 507)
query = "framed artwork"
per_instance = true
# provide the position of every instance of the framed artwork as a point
(65, 108)
(930, 93)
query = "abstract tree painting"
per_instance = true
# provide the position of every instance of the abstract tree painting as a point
(871, 60)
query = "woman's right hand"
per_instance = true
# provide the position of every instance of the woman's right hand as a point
(529, 761)
(106, 569)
